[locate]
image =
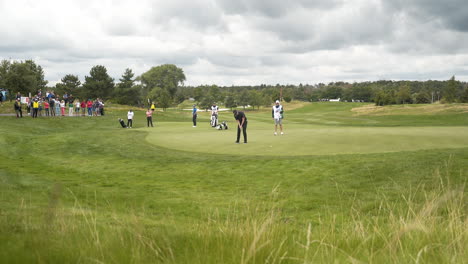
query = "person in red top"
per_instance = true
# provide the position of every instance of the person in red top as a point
(89, 104)
(46, 107)
(83, 107)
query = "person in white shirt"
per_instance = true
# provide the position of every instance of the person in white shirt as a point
(277, 115)
(77, 107)
(214, 115)
(130, 119)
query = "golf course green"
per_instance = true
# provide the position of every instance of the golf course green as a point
(307, 139)
(346, 183)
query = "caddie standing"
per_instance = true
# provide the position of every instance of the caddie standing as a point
(277, 115)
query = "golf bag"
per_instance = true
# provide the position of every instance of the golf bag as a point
(122, 123)
(222, 126)
(214, 120)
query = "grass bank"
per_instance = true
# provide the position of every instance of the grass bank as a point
(80, 189)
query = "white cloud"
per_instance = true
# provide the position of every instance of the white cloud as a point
(241, 42)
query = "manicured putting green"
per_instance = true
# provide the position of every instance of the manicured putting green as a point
(305, 139)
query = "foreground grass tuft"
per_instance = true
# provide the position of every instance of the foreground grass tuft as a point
(407, 230)
(84, 190)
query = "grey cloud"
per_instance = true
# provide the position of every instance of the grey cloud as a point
(121, 27)
(28, 44)
(309, 31)
(274, 60)
(199, 14)
(273, 8)
(155, 57)
(452, 13)
(231, 61)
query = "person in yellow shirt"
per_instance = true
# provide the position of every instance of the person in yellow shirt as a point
(35, 108)
(153, 107)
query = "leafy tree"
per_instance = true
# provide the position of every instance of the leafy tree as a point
(24, 77)
(99, 84)
(243, 98)
(360, 92)
(127, 78)
(206, 102)
(125, 91)
(179, 96)
(423, 97)
(198, 93)
(450, 93)
(383, 98)
(69, 84)
(5, 66)
(214, 93)
(314, 96)
(403, 95)
(229, 101)
(39, 74)
(266, 101)
(332, 92)
(255, 99)
(161, 97)
(464, 96)
(167, 77)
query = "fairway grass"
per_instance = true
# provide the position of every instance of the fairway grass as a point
(336, 188)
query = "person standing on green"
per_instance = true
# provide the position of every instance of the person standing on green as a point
(277, 115)
(149, 117)
(130, 115)
(241, 125)
(194, 115)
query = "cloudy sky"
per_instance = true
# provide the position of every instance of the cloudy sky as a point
(242, 42)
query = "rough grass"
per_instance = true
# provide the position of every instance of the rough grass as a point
(409, 109)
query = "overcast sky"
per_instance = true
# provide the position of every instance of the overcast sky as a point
(242, 42)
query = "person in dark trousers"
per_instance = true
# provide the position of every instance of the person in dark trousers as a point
(130, 118)
(241, 125)
(19, 112)
(149, 117)
(194, 115)
(35, 105)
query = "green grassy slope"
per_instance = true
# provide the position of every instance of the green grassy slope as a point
(82, 189)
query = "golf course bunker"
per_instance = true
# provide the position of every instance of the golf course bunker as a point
(305, 139)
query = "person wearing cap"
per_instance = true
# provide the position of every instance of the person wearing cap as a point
(241, 125)
(35, 107)
(194, 115)
(277, 115)
(19, 112)
(214, 115)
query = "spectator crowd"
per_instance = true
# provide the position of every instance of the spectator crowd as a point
(50, 105)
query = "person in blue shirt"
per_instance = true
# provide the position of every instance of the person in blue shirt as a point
(194, 115)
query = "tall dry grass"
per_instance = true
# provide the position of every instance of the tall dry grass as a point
(426, 225)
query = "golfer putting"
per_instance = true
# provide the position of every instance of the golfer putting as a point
(241, 125)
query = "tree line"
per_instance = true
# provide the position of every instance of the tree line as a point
(164, 85)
